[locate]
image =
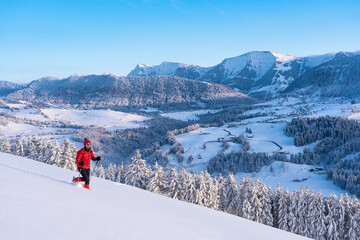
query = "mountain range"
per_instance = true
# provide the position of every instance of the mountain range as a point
(254, 75)
(265, 74)
(111, 91)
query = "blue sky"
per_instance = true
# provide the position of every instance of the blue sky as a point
(62, 37)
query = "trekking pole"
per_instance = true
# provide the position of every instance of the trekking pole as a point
(94, 168)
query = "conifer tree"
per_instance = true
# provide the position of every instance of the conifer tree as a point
(231, 192)
(101, 173)
(17, 147)
(284, 210)
(48, 152)
(68, 160)
(110, 173)
(56, 158)
(354, 228)
(157, 181)
(174, 185)
(222, 193)
(137, 174)
(190, 190)
(320, 219)
(120, 177)
(41, 150)
(33, 148)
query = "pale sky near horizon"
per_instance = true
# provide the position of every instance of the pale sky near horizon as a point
(63, 37)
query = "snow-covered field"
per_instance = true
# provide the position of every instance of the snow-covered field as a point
(188, 115)
(38, 202)
(260, 141)
(104, 118)
(101, 118)
(285, 173)
(15, 129)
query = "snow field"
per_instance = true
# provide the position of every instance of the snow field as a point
(15, 129)
(284, 173)
(103, 118)
(187, 115)
(38, 203)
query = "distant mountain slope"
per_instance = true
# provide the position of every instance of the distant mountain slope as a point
(339, 77)
(37, 202)
(9, 87)
(258, 74)
(113, 91)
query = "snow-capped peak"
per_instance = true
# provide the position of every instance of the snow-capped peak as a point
(258, 61)
(165, 68)
(283, 57)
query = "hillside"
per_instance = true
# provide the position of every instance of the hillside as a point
(38, 203)
(108, 90)
(338, 77)
(264, 74)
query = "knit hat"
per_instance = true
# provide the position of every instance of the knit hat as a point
(86, 140)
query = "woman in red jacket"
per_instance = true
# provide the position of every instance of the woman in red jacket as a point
(84, 156)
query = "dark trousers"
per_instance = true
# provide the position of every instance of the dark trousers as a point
(85, 173)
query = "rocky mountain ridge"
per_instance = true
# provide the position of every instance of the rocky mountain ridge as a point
(261, 74)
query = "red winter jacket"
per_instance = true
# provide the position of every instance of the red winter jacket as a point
(85, 157)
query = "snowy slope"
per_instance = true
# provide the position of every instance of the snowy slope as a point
(165, 68)
(37, 202)
(285, 173)
(259, 62)
(104, 118)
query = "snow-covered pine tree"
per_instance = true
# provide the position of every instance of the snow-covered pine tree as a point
(275, 197)
(231, 192)
(110, 173)
(26, 147)
(293, 222)
(137, 174)
(256, 204)
(309, 214)
(41, 150)
(101, 173)
(319, 232)
(67, 156)
(349, 211)
(244, 193)
(33, 148)
(265, 199)
(200, 189)
(48, 152)
(284, 210)
(354, 228)
(73, 155)
(5, 145)
(331, 232)
(120, 177)
(221, 193)
(55, 158)
(301, 212)
(335, 218)
(183, 178)
(174, 190)
(190, 190)
(247, 211)
(17, 147)
(157, 182)
(214, 194)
